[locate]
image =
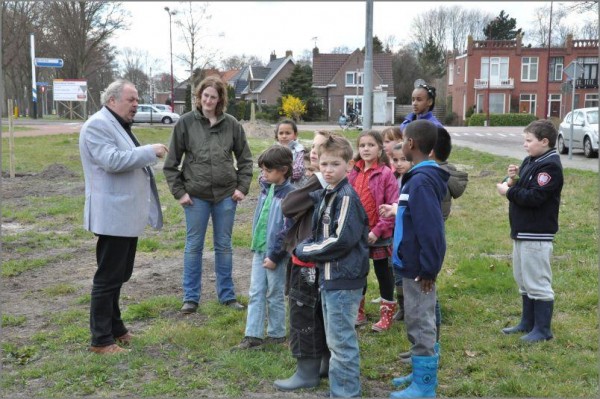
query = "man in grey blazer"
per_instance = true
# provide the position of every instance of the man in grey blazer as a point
(120, 200)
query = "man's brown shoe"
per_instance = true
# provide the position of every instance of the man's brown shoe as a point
(125, 339)
(108, 350)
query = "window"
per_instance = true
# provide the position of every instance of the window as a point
(591, 100)
(496, 103)
(353, 103)
(354, 78)
(578, 119)
(529, 69)
(450, 74)
(590, 67)
(528, 103)
(263, 101)
(499, 69)
(556, 69)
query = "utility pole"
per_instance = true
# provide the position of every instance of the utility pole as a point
(546, 110)
(33, 85)
(368, 70)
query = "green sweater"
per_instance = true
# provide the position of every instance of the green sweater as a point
(208, 169)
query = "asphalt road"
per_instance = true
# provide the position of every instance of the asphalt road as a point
(497, 140)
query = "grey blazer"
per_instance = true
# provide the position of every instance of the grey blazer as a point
(120, 191)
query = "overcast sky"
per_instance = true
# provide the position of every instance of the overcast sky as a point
(260, 27)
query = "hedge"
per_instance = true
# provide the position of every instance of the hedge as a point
(502, 119)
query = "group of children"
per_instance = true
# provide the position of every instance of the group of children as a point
(323, 217)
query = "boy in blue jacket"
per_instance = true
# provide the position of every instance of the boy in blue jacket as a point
(269, 228)
(339, 246)
(419, 249)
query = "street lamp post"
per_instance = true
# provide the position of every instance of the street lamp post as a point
(171, 46)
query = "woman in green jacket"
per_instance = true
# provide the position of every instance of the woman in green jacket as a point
(206, 180)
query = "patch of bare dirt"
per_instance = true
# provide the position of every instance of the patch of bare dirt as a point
(259, 129)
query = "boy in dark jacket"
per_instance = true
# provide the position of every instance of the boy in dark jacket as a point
(533, 191)
(419, 249)
(339, 247)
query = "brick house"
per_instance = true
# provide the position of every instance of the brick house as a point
(521, 78)
(338, 81)
(263, 84)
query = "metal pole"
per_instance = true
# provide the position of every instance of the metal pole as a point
(171, 46)
(368, 70)
(489, 82)
(33, 86)
(573, 81)
(546, 110)
(11, 139)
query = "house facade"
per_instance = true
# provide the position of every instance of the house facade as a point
(503, 76)
(263, 84)
(338, 80)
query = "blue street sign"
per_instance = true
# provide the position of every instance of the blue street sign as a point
(42, 84)
(49, 62)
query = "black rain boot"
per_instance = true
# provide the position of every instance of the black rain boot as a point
(527, 319)
(306, 376)
(542, 311)
(400, 296)
(324, 369)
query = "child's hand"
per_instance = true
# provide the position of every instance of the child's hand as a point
(387, 211)
(502, 188)
(426, 285)
(269, 264)
(512, 171)
(372, 238)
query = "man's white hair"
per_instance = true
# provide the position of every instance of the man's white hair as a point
(114, 90)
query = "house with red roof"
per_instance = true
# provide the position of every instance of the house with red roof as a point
(338, 79)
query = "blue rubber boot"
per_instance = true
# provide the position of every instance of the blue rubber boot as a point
(407, 379)
(424, 378)
(543, 316)
(526, 324)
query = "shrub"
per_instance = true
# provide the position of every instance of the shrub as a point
(450, 119)
(293, 107)
(502, 119)
(269, 113)
(470, 111)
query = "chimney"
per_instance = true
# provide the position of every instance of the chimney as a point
(288, 53)
(273, 56)
(315, 51)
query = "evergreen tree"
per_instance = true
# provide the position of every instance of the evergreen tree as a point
(377, 46)
(502, 28)
(299, 85)
(432, 60)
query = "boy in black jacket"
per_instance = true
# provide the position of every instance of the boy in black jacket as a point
(534, 194)
(339, 247)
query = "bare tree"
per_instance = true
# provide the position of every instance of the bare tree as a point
(192, 21)
(19, 20)
(589, 29)
(341, 50)
(538, 35)
(240, 61)
(137, 66)
(78, 32)
(449, 27)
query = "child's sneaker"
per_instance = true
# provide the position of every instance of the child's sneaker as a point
(249, 343)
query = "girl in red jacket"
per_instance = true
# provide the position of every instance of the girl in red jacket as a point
(376, 185)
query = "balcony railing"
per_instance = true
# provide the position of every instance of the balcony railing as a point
(586, 83)
(495, 84)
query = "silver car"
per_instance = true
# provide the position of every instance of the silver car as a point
(149, 113)
(585, 132)
(163, 107)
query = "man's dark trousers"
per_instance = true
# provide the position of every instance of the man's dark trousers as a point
(115, 257)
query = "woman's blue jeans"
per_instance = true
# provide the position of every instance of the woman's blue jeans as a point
(196, 218)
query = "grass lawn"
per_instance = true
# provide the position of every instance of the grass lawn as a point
(175, 357)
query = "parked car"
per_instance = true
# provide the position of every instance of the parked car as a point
(150, 113)
(163, 107)
(585, 132)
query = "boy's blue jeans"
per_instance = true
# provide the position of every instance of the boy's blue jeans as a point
(267, 299)
(196, 219)
(419, 317)
(340, 309)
